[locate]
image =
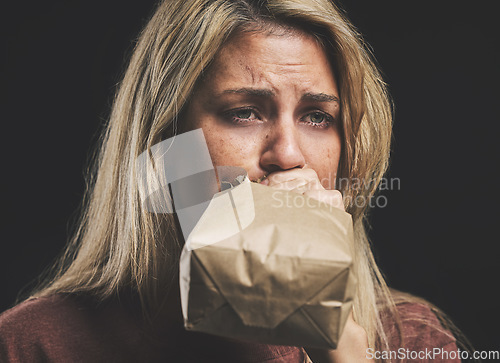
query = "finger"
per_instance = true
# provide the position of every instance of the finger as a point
(330, 197)
(290, 184)
(281, 176)
(309, 186)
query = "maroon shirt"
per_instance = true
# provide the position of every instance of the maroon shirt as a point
(422, 333)
(69, 329)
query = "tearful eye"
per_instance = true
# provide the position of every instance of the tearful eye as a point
(317, 117)
(243, 114)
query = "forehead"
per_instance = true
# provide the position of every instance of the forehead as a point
(261, 57)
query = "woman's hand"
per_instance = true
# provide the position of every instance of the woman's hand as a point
(353, 342)
(351, 347)
(304, 181)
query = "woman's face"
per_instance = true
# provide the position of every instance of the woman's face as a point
(270, 103)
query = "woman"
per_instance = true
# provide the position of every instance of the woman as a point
(284, 89)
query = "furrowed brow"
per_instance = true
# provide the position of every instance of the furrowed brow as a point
(319, 97)
(251, 92)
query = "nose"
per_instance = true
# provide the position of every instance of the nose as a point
(282, 148)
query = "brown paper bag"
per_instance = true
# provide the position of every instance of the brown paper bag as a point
(269, 266)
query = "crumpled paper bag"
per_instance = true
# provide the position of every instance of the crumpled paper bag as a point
(269, 266)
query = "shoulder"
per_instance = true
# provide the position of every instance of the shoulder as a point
(45, 315)
(420, 322)
(417, 328)
(34, 316)
(57, 328)
(29, 328)
(20, 316)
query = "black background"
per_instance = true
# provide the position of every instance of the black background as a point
(436, 238)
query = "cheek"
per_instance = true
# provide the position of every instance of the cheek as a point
(324, 158)
(227, 149)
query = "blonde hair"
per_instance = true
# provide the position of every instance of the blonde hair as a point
(117, 244)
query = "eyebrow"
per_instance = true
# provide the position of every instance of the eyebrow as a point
(318, 97)
(251, 92)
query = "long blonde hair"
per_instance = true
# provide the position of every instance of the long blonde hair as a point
(117, 244)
